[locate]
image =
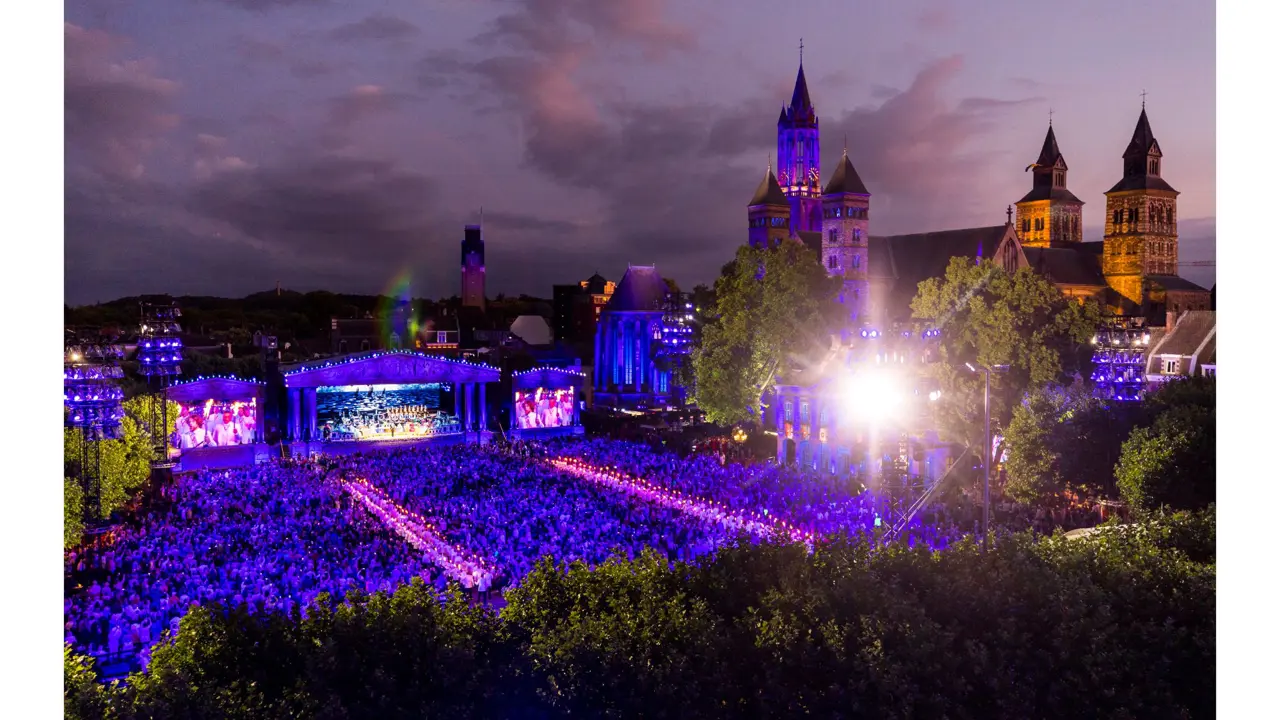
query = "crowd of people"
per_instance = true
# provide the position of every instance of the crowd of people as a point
(272, 537)
(819, 503)
(513, 509)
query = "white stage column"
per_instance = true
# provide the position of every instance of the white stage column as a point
(467, 422)
(457, 401)
(484, 410)
(310, 394)
(295, 414)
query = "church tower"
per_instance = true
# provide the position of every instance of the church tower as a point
(1049, 215)
(798, 150)
(768, 214)
(473, 267)
(1141, 236)
(845, 206)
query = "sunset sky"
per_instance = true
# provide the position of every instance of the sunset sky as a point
(215, 147)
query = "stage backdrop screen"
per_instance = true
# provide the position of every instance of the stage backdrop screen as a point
(544, 408)
(217, 423)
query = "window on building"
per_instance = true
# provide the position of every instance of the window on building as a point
(342, 346)
(1170, 367)
(1039, 223)
(833, 236)
(1209, 371)
(1026, 224)
(804, 412)
(786, 411)
(833, 262)
(857, 260)
(364, 346)
(1115, 217)
(1153, 167)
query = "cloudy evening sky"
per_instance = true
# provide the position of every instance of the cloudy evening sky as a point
(216, 147)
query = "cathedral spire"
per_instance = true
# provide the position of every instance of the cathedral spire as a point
(800, 102)
(1143, 138)
(1049, 152)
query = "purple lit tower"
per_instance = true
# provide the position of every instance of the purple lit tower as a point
(846, 204)
(798, 153)
(473, 267)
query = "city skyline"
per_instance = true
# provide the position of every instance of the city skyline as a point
(352, 145)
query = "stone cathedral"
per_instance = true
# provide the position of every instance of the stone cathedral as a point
(1132, 270)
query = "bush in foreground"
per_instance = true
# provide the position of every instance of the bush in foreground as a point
(1120, 625)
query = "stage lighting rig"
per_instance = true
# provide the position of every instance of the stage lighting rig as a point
(91, 400)
(160, 360)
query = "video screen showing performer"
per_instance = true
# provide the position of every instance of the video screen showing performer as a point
(382, 412)
(217, 423)
(544, 408)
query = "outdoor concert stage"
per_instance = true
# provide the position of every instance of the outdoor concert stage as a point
(335, 406)
(385, 397)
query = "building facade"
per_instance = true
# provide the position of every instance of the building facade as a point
(576, 308)
(628, 371)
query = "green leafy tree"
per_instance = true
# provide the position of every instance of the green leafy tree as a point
(121, 466)
(990, 317)
(1063, 440)
(72, 513)
(772, 306)
(1172, 463)
(83, 697)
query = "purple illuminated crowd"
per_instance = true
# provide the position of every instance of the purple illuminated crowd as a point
(273, 537)
(514, 509)
(822, 503)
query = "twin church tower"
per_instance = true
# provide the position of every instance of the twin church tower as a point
(1139, 250)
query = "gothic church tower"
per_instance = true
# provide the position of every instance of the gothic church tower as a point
(768, 214)
(1049, 215)
(798, 153)
(1141, 236)
(845, 208)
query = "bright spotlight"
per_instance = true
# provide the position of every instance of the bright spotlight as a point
(873, 396)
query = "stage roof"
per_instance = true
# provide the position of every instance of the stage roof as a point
(548, 377)
(386, 367)
(215, 388)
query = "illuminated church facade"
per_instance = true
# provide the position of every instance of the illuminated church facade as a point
(1132, 271)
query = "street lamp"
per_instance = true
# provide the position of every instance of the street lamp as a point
(986, 451)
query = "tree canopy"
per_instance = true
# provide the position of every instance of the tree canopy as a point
(1172, 463)
(1064, 440)
(771, 304)
(123, 466)
(1116, 625)
(990, 317)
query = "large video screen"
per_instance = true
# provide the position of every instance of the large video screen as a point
(382, 412)
(217, 423)
(544, 408)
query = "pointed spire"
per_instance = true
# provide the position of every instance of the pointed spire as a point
(769, 192)
(845, 179)
(1049, 152)
(1143, 138)
(800, 96)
